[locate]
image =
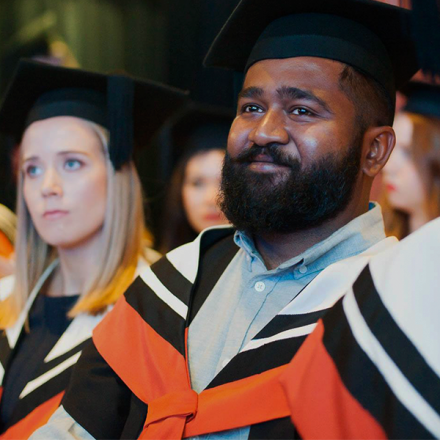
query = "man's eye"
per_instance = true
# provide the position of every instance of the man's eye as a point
(72, 164)
(33, 170)
(251, 108)
(301, 111)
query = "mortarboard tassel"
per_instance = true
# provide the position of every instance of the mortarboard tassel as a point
(120, 96)
(426, 27)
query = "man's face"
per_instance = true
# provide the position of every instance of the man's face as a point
(293, 149)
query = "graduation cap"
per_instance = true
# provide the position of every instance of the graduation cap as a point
(423, 99)
(195, 127)
(200, 126)
(371, 36)
(131, 109)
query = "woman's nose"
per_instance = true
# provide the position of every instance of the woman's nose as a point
(51, 185)
(393, 164)
(211, 194)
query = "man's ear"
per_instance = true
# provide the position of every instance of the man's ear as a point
(378, 144)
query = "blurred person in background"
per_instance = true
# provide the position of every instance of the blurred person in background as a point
(80, 239)
(8, 226)
(190, 206)
(412, 174)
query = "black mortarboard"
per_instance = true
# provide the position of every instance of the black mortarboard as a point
(368, 35)
(423, 99)
(131, 109)
(195, 127)
(199, 126)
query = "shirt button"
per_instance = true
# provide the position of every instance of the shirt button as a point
(260, 286)
(303, 269)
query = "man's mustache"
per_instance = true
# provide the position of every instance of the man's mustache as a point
(274, 152)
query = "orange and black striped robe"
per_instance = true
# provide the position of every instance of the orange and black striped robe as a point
(134, 381)
(371, 368)
(42, 395)
(336, 390)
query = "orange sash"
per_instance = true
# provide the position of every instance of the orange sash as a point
(157, 374)
(34, 420)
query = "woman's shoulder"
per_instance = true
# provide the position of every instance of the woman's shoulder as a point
(149, 256)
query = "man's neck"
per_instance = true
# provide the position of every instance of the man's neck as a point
(276, 248)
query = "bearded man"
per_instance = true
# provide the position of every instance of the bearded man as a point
(199, 338)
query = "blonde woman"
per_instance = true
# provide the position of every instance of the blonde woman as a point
(81, 229)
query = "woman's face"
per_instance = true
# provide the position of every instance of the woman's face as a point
(65, 180)
(403, 183)
(201, 185)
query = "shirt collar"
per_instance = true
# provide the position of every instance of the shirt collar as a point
(353, 238)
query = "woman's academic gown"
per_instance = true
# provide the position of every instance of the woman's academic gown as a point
(59, 345)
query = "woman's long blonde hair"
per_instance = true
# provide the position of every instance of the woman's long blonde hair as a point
(425, 150)
(123, 241)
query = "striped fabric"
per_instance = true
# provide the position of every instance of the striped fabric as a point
(134, 381)
(42, 395)
(360, 376)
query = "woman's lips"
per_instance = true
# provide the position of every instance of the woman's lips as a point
(390, 187)
(213, 217)
(54, 214)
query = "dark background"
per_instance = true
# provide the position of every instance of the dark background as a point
(164, 40)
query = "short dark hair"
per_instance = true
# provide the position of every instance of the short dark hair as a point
(373, 105)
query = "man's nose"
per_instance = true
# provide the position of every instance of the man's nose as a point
(270, 129)
(51, 185)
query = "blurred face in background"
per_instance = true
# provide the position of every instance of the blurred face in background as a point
(403, 183)
(200, 189)
(64, 180)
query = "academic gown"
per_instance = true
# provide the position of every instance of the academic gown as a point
(133, 381)
(43, 393)
(371, 368)
(6, 247)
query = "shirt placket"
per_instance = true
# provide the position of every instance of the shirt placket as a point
(252, 300)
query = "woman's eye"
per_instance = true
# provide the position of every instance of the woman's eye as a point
(72, 164)
(251, 108)
(33, 170)
(407, 153)
(301, 111)
(198, 183)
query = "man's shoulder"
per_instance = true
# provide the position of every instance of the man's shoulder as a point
(179, 268)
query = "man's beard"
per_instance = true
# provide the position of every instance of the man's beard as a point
(263, 203)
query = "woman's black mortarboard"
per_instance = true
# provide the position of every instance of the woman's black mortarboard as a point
(198, 126)
(371, 36)
(423, 99)
(131, 109)
(195, 127)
